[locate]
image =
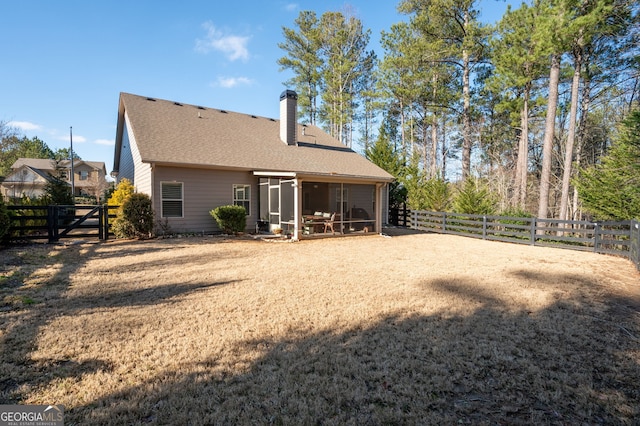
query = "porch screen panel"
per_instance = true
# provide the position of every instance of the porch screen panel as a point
(286, 201)
(361, 212)
(172, 200)
(264, 199)
(274, 205)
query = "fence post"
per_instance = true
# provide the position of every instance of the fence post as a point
(52, 223)
(104, 225)
(100, 224)
(484, 227)
(533, 231)
(444, 222)
(596, 237)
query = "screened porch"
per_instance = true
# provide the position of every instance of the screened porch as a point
(308, 208)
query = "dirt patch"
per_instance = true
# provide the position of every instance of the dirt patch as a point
(418, 328)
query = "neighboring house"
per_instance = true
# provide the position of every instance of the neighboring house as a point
(29, 177)
(190, 159)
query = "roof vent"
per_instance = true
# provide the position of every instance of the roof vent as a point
(200, 107)
(151, 99)
(177, 103)
(223, 111)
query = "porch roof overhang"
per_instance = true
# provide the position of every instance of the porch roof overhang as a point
(321, 177)
(275, 174)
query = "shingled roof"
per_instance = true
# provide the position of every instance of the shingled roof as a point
(172, 133)
(50, 165)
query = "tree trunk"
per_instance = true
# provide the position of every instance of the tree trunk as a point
(444, 147)
(586, 99)
(433, 168)
(549, 133)
(523, 153)
(571, 134)
(466, 117)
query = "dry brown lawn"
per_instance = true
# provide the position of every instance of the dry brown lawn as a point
(413, 329)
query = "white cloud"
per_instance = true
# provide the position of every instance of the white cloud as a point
(291, 7)
(233, 46)
(108, 142)
(230, 82)
(24, 125)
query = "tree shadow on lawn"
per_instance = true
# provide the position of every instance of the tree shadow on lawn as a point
(563, 364)
(133, 248)
(47, 302)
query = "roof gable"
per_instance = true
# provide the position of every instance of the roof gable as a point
(49, 165)
(27, 174)
(173, 133)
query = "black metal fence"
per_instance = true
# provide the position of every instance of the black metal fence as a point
(56, 222)
(616, 238)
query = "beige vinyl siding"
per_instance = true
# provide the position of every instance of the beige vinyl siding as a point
(23, 182)
(131, 165)
(203, 190)
(126, 157)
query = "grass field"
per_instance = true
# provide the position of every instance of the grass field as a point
(412, 329)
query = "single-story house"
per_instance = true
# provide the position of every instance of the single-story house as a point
(292, 177)
(29, 177)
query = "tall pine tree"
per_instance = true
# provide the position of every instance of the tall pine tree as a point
(611, 190)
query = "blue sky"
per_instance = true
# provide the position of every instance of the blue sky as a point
(64, 63)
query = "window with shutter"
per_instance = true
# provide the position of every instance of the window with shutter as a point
(172, 199)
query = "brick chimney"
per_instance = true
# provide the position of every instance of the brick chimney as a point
(288, 117)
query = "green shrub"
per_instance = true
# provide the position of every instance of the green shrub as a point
(26, 215)
(122, 228)
(230, 219)
(515, 212)
(437, 196)
(135, 218)
(473, 198)
(57, 190)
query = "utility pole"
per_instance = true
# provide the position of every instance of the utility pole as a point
(73, 185)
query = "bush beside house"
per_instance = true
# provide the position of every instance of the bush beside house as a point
(135, 218)
(230, 219)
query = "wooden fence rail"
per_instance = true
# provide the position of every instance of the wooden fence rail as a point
(617, 238)
(56, 222)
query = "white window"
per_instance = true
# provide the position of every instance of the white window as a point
(242, 197)
(84, 174)
(172, 199)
